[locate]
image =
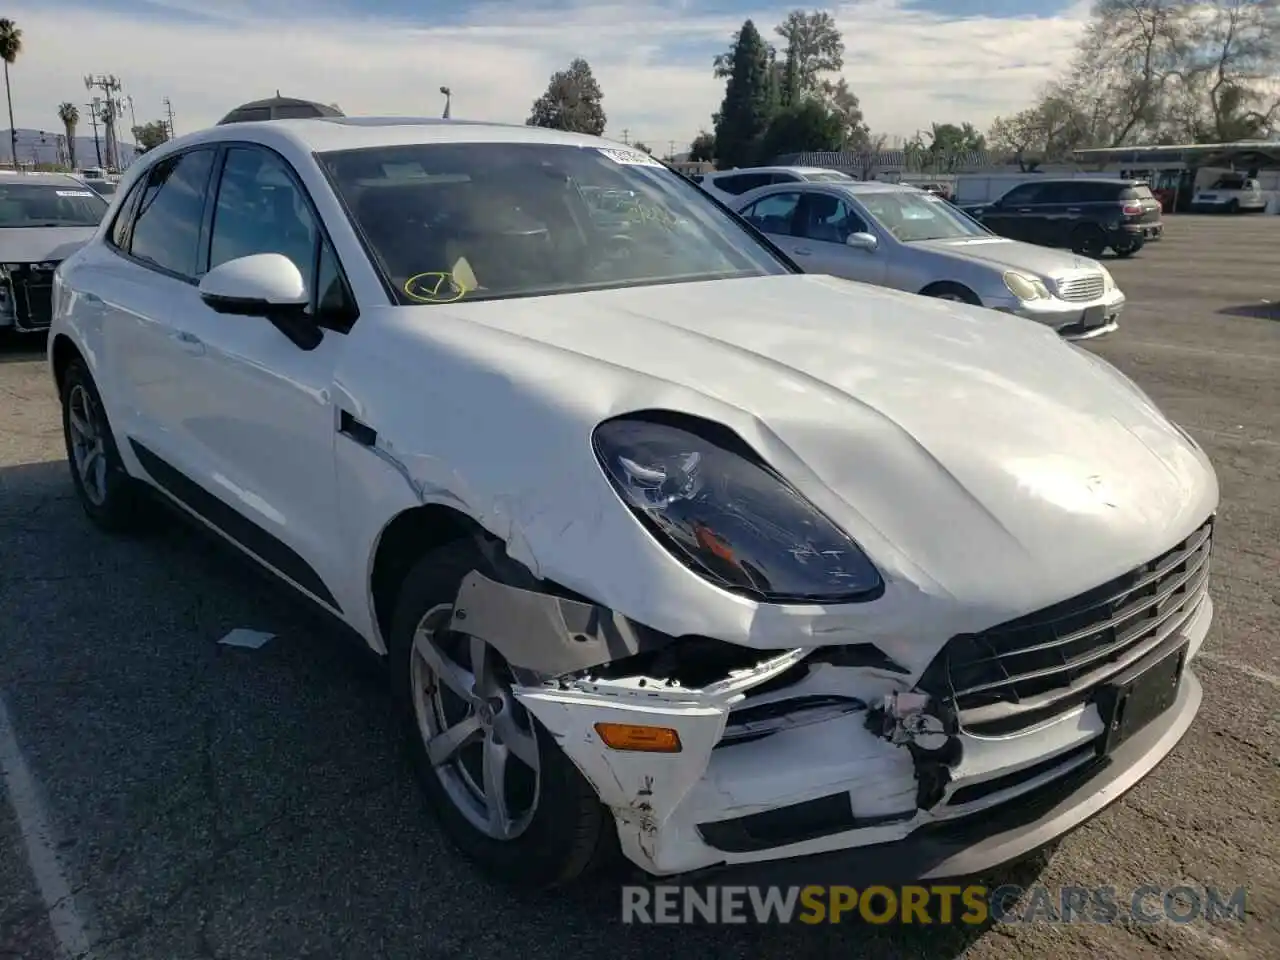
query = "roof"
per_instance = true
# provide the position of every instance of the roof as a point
(324, 134)
(279, 108)
(1262, 153)
(776, 169)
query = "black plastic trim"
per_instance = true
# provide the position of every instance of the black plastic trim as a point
(796, 823)
(225, 518)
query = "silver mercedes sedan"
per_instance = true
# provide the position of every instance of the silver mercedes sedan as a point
(894, 235)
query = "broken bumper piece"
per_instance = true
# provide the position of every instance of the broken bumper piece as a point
(800, 759)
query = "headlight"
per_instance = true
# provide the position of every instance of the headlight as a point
(1026, 288)
(729, 516)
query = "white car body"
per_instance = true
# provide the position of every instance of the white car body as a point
(987, 469)
(1231, 193)
(727, 185)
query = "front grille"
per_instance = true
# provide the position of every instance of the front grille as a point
(1024, 672)
(1081, 289)
(32, 295)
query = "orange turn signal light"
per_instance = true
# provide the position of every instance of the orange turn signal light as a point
(635, 737)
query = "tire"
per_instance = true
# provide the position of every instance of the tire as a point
(569, 834)
(1088, 241)
(1124, 251)
(1233, 206)
(954, 292)
(112, 499)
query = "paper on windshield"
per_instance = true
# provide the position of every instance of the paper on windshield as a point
(630, 158)
(74, 193)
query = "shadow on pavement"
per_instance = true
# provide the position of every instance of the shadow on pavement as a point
(211, 801)
(1254, 311)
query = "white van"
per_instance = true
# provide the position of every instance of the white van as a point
(1230, 193)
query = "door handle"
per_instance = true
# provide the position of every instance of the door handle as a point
(802, 251)
(1073, 209)
(188, 342)
(1024, 209)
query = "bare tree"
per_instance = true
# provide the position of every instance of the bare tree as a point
(869, 155)
(1235, 59)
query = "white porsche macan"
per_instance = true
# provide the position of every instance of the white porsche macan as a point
(671, 550)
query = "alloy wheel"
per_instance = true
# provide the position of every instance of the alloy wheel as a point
(88, 444)
(479, 739)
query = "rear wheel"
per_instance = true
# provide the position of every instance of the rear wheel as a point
(502, 789)
(1088, 241)
(110, 497)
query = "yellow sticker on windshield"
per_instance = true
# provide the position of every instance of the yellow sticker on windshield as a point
(434, 287)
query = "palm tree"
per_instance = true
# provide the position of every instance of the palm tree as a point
(10, 47)
(69, 116)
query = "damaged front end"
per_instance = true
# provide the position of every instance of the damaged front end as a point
(707, 751)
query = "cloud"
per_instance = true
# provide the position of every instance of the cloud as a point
(652, 57)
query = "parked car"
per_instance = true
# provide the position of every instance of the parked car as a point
(669, 548)
(44, 217)
(1231, 193)
(894, 235)
(1086, 215)
(727, 185)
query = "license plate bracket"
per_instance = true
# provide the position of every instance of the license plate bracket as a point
(1093, 317)
(1135, 698)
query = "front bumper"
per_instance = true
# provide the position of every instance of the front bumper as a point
(1074, 321)
(829, 782)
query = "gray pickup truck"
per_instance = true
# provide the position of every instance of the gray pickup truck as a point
(44, 218)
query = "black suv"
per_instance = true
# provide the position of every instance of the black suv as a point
(1086, 214)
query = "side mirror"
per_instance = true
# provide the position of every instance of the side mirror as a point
(863, 241)
(266, 285)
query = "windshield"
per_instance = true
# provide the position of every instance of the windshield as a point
(911, 216)
(480, 221)
(49, 205)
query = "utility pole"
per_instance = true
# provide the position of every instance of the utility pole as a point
(626, 136)
(93, 119)
(169, 110)
(671, 149)
(110, 86)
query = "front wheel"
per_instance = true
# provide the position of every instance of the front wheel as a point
(1126, 250)
(953, 292)
(1088, 241)
(504, 792)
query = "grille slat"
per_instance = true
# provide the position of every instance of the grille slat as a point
(1081, 289)
(32, 292)
(1023, 672)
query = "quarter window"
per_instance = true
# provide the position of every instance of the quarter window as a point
(166, 228)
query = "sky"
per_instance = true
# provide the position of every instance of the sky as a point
(912, 62)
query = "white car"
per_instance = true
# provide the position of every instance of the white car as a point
(669, 549)
(895, 235)
(727, 185)
(1230, 193)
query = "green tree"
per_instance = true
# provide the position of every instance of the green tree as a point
(807, 125)
(150, 135)
(573, 101)
(70, 117)
(813, 47)
(703, 147)
(748, 104)
(949, 142)
(844, 103)
(641, 145)
(10, 47)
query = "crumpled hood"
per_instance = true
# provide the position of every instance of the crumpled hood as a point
(1010, 255)
(961, 446)
(40, 244)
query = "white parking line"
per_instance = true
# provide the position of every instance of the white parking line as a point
(1239, 667)
(64, 919)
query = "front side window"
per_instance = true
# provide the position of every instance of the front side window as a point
(1027, 193)
(49, 205)
(829, 219)
(261, 210)
(912, 216)
(166, 227)
(481, 221)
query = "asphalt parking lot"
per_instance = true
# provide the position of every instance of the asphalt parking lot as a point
(170, 797)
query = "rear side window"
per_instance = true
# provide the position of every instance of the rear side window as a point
(166, 227)
(740, 183)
